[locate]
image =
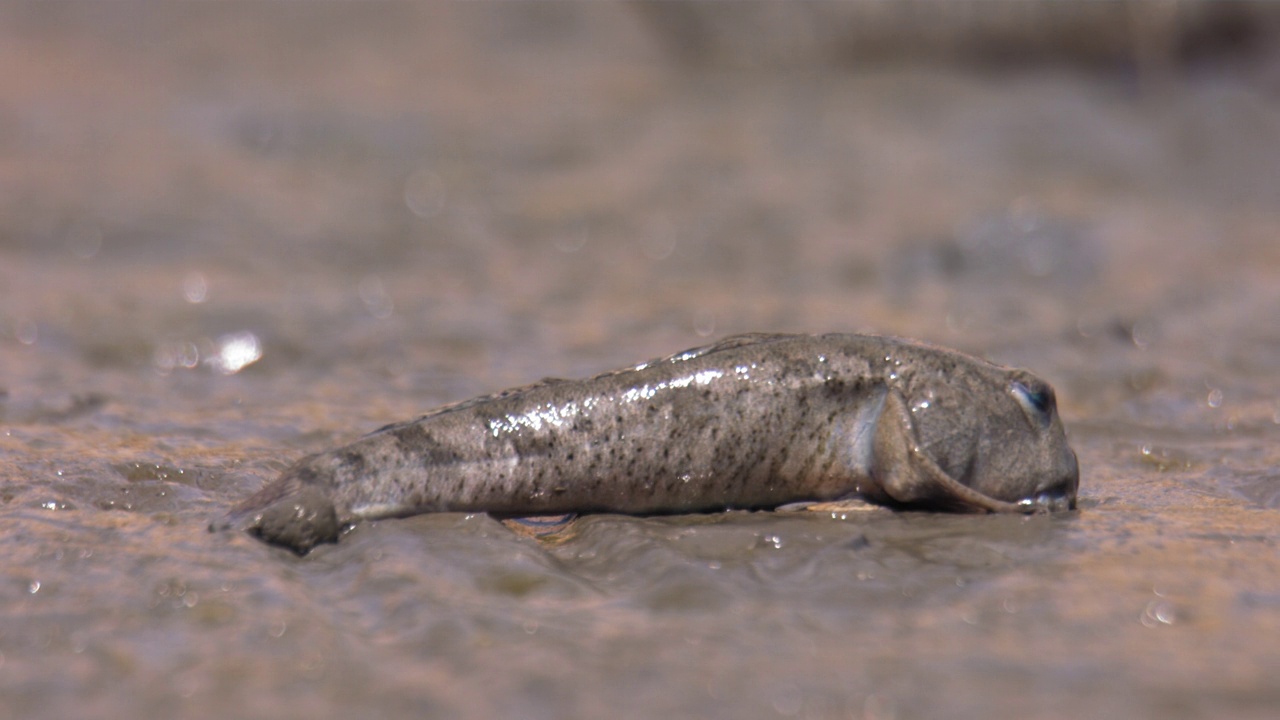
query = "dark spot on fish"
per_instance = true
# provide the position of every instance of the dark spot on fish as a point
(415, 441)
(528, 445)
(354, 462)
(859, 542)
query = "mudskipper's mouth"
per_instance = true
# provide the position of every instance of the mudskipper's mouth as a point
(1049, 501)
(1059, 497)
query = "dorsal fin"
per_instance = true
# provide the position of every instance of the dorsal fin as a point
(728, 343)
(472, 402)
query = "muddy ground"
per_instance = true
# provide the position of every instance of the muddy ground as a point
(231, 235)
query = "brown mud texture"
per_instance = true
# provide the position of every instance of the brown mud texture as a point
(232, 235)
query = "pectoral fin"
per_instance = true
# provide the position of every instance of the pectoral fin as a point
(548, 528)
(904, 474)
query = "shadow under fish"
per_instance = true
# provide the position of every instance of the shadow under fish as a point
(751, 422)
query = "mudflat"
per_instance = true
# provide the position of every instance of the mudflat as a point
(233, 236)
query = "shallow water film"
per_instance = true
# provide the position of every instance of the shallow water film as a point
(233, 235)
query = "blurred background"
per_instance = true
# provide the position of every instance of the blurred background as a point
(234, 233)
(559, 175)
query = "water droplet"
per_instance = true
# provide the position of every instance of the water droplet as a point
(531, 627)
(172, 354)
(1215, 398)
(34, 587)
(375, 297)
(188, 355)
(661, 241)
(235, 351)
(1157, 613)
(195, 288)
(1141, 334)
(278, 628)
(26, 331)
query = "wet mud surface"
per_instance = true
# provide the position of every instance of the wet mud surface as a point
(232, 236)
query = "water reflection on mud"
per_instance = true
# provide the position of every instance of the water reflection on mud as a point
(231, 236)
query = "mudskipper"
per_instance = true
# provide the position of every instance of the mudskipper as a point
(754, 421)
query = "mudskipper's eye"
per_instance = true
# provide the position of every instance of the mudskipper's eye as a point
(1036, 398)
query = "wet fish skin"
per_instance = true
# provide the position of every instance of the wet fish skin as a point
(753, 421)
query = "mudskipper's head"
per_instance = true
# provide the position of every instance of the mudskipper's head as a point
(962, 432)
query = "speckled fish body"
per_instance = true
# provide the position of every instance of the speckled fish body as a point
(751, 422)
